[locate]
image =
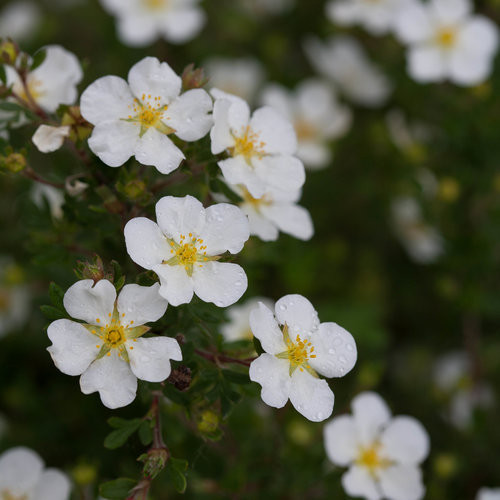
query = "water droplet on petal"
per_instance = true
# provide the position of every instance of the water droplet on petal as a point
(282, 307)
(349, 347)
(331, 351)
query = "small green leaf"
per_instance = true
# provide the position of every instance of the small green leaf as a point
(176, 469)
(145, 432)
(236, 377)
(119, 437)
(117, 489)
(56, 294)
(52, 312)
(119, 283)
(11, 106)
(38, 58)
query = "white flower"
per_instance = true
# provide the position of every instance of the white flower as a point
(375, 16)
(488, 494)
(23, 476)
(19, 20)
(240, 77)
(261, 147)
(141, 22)
(423, 242)
(238, 327)
(446, 41)
(54, 197)
(275, 211)
(107, 350)
(48, 139)
(342, 59)
(298, 348)
(316, 115)
(135, 118)
(184, 247)
(383, 453)
(53, 82)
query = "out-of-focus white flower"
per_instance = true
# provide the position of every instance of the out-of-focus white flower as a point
(383, 453)
(275, 211)
(19, 20)
(447, 42)
(316, 115)
(107, 350)
(298, 348)
(52, 195)
(261, 147)
(240, 77)
(377, 17)
(452, 375)
(184, 247)
(53, 82)
(342, 60)
(135, 118)
(141, 22)
(74, 187)
(488, 494)
(48, 139)
(23, 476)
(238, 326)
(423, 242)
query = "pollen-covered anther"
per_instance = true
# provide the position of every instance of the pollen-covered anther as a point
(247, 144)
(371, 458)
(447, 37)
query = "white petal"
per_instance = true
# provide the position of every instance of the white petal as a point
(413, 24)
(108, 98)
(176, 216)
(150, 76)
(188, 115)
(260, 226)
(450, 11)
(402, 482)
(266, 329)
(226, 228)
(155, 148)
(220, 135)
(488, 494)
(112, 377)
(150, 358)
(341, 442)
(73, 346)
(222, 283)
(315, 155)
(176, 285)
(290, 219)
(140, 304)
(20, 469)
(371, 414)
(137, 30)
(238, 115)
(272, 374)
(53, 485)
(426, 64)
(480, 36)
(469, 69)
(114, 141)
(88, 302)
(298, 313)
(48, 139)
(237, 171)
(145, 242)
(405, 440)
(311, 396)
(335, 350)
(281, 171)
(358, 482)
(274, 130)
(343, 12)
(182, 24)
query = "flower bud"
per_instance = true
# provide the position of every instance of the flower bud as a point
(154, 461)
(193, 78)
(209, 422)
(14, 162)
(9, 52)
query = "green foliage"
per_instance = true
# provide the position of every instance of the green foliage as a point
(123, 430)
(117, 489)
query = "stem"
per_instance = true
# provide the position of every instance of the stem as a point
(222, 358)
(31, 174)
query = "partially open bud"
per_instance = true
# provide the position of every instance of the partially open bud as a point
(154, 461)
(193, 78)
(9, 52)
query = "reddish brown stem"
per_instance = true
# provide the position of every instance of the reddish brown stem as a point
(31, 174)
(222, 358)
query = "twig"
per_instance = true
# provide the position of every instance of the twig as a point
(31, 174)
(222, 358)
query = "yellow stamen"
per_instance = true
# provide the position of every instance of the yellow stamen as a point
(248, 145)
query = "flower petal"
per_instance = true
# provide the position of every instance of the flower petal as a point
(238, 115)
(335, 350)
(176, 285)
(220, 135)
(281, 171)
(155, 148)
(274, 130)
(272, 374)
(145, 242)
(266, 329)
(290, 219)
(405, 440)
(298, 313)
(237, 171)
(222, 283)
(140, 304)
(469, 69)
(48, 139)
(150, 358)
(480, 36)
(183, 23)
(311, 396)
(260, 226)
(450, 11)
(370, 413)
(176, 216)
(402, 482)
(340, 438)
(112, 377)
(426, 64)
(90, 303)
(413, 23)
(73, 346)
(53, 485)
(137, 30)
(20, 470)
(358, 482)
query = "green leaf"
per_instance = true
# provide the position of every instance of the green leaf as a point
(52, 312)
(11, 106)
(236, 377)
(176, 468)
(56, 294)
(145, 432)
(119, 283)
(119, 437)
(38, 58)
(117, 489)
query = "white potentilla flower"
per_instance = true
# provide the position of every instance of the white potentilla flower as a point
(447, 42)
(19, 20)
(48, 139)
(141, 22)
(377, 16)
(488, 494)
(183, 249)
(275, 211)
(342, 60)
(107, 350)
(298, 348)
(53, 82)
(240, 77)
(423, 242)
(316, 115)
(23, 476)
(135, 118)
(238, 327)
(383, 453)
(54, 197)
(261, 147)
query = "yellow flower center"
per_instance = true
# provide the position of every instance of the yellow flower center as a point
(304, 130)
(248, 145)
(371, 459)
(148, 112)
(255, 202)
(298, 353)
(155, 4)
(35, 89)
(7, 495)
(447, 37)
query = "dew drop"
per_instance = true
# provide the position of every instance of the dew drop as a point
(343, 360)
(282, 307)
(349, 347)
(331, 351)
